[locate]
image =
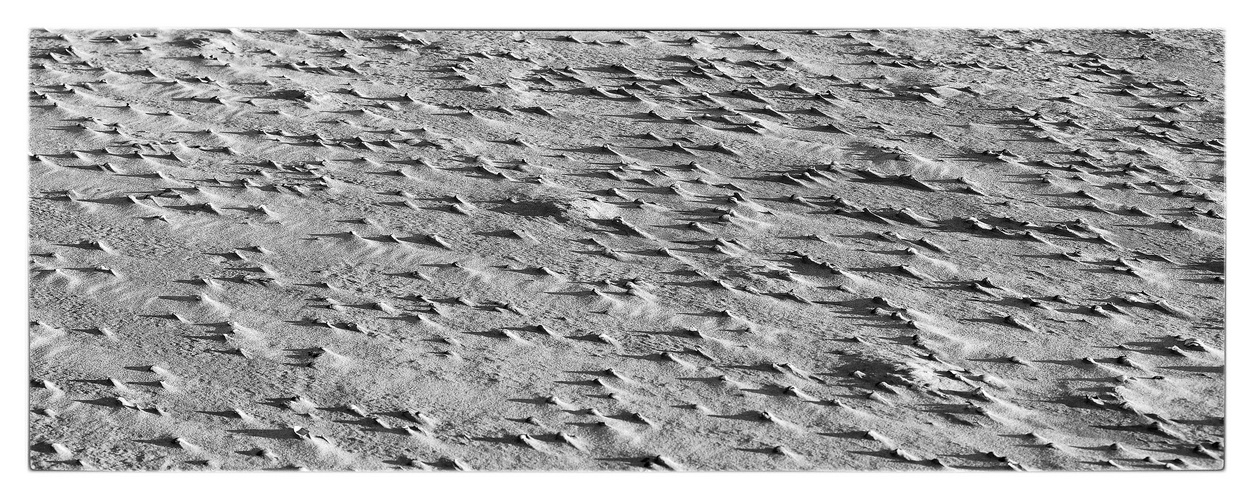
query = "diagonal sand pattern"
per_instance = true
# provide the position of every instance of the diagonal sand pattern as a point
(780, 250)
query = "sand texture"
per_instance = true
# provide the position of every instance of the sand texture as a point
(326, 249)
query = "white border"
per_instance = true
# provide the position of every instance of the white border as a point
(608, 14)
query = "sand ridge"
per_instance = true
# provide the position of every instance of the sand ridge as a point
(698, 250)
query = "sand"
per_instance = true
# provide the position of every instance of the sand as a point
(780, 250)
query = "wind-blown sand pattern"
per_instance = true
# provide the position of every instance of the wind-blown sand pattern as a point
(782, 250)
